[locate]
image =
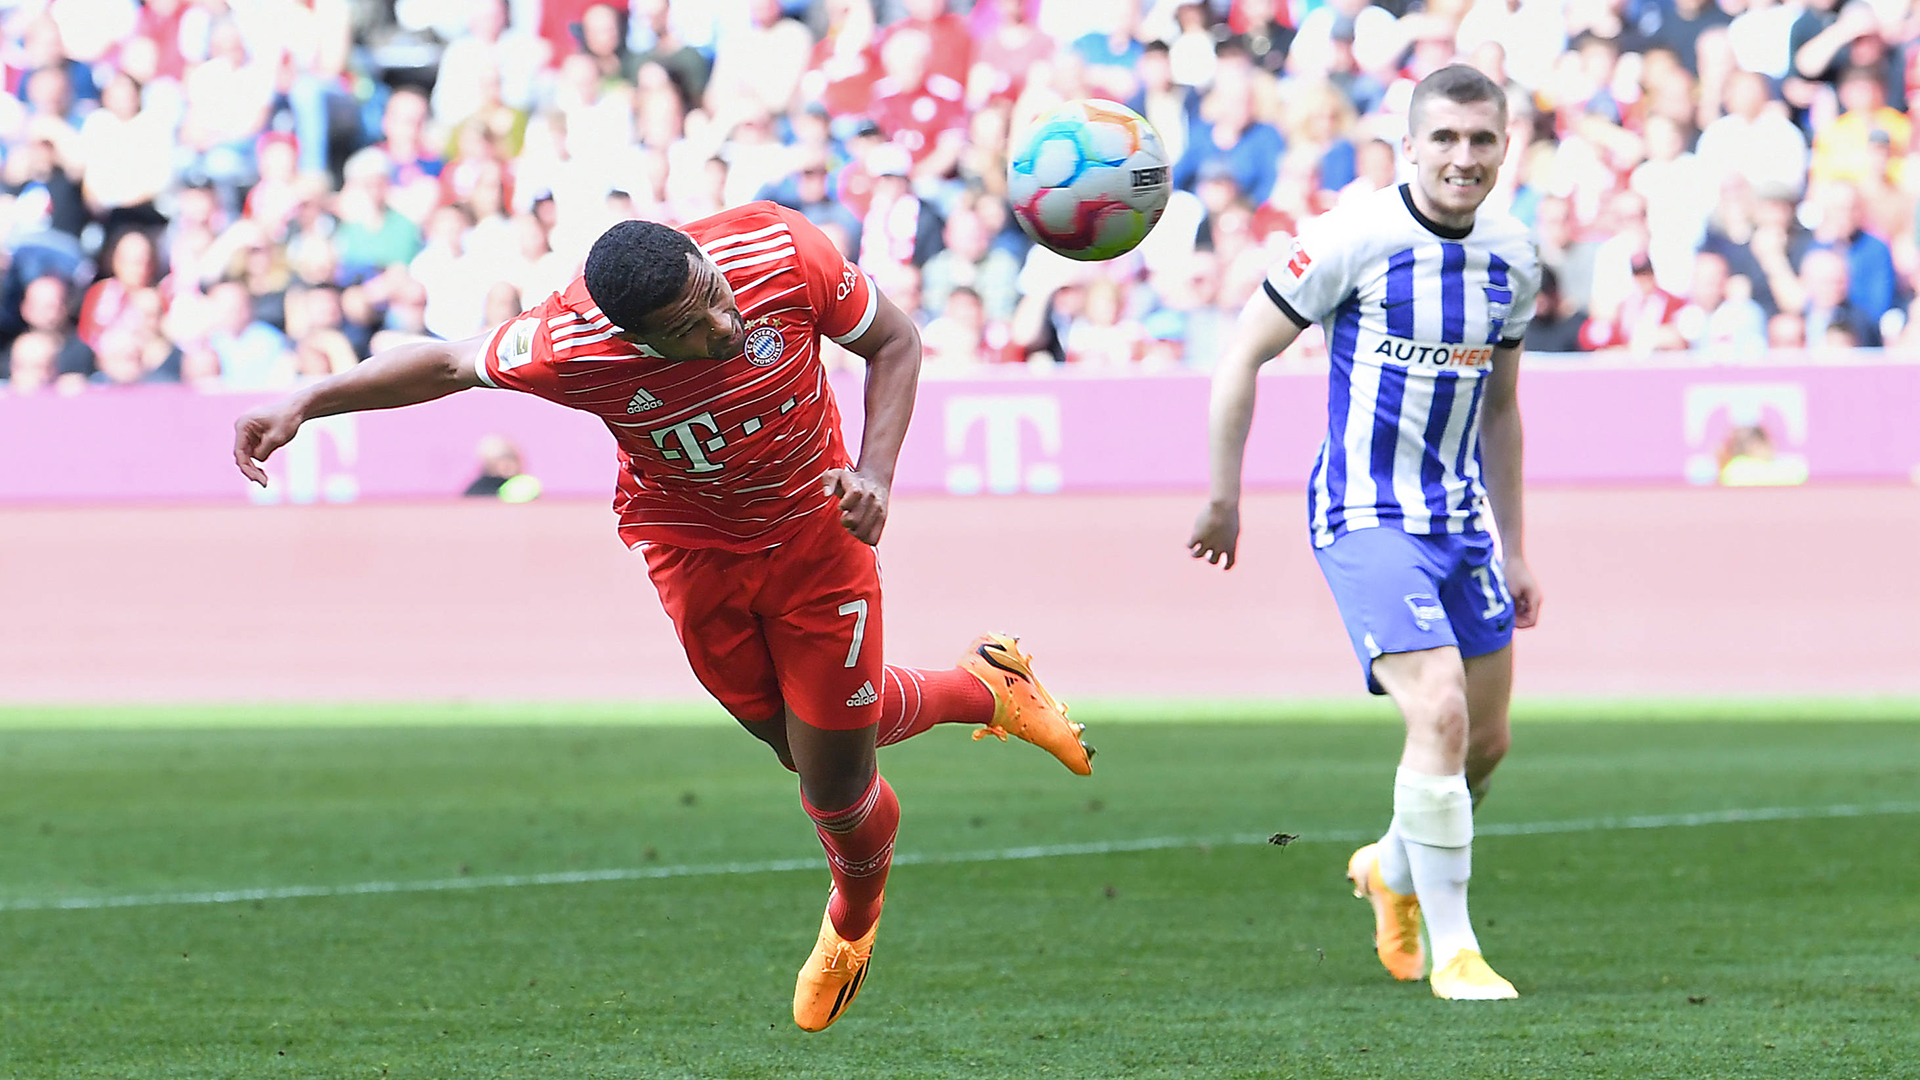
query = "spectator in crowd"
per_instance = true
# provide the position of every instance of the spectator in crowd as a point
(490, 60)
(1322, 123)
(134, 270)
(372, 234)
(1102, 335)
(1111, 51)
(1872, 280)
(957, 338)
(947, 35)
(899, 226)
(968, 260)
(917, 107)
(1166, 104)
(1679, 194)
(1265, 38)
(322, 353)
(1229, 133)
(32, 362)
(602, 36)
(125, 153)
(1754, 140)
(1006, 53)
(760, 69)
(685, 66)
(45, 307)
(1556, 320)
(1643, 322)
(499, 463)
(1825, 280)
(845, 62)
(252, 355)
(1720, 318)
(1191, 315)
(1842, 148)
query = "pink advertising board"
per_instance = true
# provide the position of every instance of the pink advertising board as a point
(993, 435)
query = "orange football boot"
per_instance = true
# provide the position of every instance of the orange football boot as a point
(832, 976)
(1396, 918)
(1021, 706)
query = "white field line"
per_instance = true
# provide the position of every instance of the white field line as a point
(1040, 851)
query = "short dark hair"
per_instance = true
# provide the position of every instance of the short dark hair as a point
(1461, 84)
(637, 268)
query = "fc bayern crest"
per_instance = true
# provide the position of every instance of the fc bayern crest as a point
(765, 345)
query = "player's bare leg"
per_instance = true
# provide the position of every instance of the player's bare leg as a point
(774, 733)
(1489, 693)
(1433, 813)
(857, 817)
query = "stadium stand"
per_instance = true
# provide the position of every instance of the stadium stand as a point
(241, 194)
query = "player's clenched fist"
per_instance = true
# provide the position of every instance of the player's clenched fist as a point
(863, 502)
(259, 432)
(1216, 534)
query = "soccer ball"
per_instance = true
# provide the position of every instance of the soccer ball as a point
(1089, 180)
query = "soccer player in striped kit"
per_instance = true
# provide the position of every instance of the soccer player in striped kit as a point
(700, 351)
(1424, 301)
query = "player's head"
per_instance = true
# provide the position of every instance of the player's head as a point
(1456, 138)
(657, 288)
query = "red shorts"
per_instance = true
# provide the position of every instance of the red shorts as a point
(796, 625)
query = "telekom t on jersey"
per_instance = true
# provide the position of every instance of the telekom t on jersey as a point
(1413, 311)
(721, 464)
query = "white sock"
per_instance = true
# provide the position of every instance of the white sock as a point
(1433, 816)
(1440, 880)
(1394, 869)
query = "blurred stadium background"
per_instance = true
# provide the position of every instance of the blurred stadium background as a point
(210, 201)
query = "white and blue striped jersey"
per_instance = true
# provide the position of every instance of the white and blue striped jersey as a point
(1412, 311)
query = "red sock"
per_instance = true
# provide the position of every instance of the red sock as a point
(859, 843)
(913, 700)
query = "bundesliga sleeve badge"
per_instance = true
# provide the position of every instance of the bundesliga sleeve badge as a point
(1298, 264)
(516, 345)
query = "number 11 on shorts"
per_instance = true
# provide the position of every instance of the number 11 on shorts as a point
(1492, 586)
(857, 609)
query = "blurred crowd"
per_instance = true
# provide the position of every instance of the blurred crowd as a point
(241, 194)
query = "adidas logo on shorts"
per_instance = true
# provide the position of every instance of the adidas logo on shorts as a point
(642, 401)
(863, 696)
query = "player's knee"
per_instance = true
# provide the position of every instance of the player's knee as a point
(1489, 746)
(1440, 714)
(835, 789)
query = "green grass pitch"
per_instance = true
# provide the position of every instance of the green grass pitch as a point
(1703, 947)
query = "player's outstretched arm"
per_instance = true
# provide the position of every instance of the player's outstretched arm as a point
(891, 348)
(405, 375)
(1500, 456)
(1262, 333)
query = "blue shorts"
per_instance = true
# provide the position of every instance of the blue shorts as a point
(1399, 592)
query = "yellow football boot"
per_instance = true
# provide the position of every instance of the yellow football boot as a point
(1467, 977)
(832, 976)
(1021, 706)
(1396, 918)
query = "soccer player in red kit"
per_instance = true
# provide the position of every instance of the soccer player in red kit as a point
(700, 352)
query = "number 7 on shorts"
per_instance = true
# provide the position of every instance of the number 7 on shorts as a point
(857, 609)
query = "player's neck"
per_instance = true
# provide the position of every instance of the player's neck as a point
(1441, 224)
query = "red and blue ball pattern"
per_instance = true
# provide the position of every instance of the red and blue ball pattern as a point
(1089, 180)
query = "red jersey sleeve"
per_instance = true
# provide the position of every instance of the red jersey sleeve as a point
(515, 352)
(519, 353)
(843, 298)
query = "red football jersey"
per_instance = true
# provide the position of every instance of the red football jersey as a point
(713, 453)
